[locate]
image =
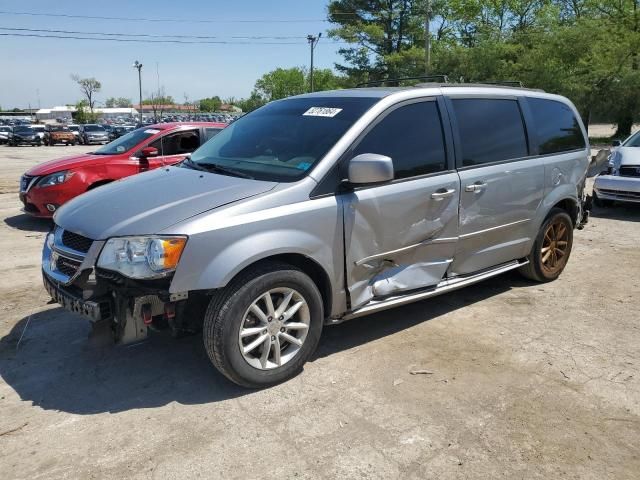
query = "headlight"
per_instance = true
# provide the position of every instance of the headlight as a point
(142, 257)
(55, 179)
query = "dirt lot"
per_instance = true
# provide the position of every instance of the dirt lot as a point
(527, 381)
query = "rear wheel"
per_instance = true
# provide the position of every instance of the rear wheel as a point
(263, 327)
(551, 248)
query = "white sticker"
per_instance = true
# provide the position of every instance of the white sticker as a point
(322, 112)
(152, 131)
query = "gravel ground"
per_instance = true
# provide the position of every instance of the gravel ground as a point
(525, 380)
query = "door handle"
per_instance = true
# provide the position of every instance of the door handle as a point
(475, 187)
(442, 193)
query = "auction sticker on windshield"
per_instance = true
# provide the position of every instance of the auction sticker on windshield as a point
(322, 112)
(152, 131)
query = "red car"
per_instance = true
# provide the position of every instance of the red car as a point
(45, 187)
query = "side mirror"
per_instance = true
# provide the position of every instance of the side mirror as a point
(369, 168)
(616, 143)
(147, 152)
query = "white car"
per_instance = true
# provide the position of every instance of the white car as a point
(75, 129)
(39, 129)
(4, 134)
(621, 181)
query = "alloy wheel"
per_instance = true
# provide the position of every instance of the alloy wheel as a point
(553, 253)
(274, 328)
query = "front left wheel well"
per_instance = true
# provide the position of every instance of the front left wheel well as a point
(98, 184)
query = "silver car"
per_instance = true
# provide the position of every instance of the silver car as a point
(621, 181)
(322, 208)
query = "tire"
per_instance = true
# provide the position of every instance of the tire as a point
(601, 203)
(541, 266)
(229, 311)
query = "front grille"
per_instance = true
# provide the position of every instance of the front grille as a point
(76, 242)
(67, 266)
(620, 193)
(630, 171)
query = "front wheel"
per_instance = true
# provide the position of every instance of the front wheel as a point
(262, 328)
(551, 249)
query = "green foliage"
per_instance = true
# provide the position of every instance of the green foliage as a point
(211, 104)
(120, 102)
(83, 114)
(588, 50)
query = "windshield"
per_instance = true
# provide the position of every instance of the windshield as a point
(73, 128)
(23, 130)
(283, 140)
(38, 127)
(126, 142)
(58, 128)
(5, 129)
(93, 128)
(634, 141)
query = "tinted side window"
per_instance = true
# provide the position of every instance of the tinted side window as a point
(412, 136)
(177, 143)
(491, 130)
(557, 127)
(211, 132)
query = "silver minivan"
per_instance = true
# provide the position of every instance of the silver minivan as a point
(322, 208)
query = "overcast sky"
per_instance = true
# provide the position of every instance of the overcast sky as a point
(36, 71)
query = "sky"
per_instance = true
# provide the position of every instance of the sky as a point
(36, 71)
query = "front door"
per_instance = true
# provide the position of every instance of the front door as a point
(174, 147)
(501, 184)
(401, 236)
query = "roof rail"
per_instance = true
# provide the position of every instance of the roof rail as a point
(428, 78)
(504, 83)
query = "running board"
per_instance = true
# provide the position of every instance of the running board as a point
(443, 287)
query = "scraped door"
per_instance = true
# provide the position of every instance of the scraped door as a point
(401, 236)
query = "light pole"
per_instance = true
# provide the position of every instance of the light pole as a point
(313, 41)
(138, 65)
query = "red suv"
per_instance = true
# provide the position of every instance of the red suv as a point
(47, 186)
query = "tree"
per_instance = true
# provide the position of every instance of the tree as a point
(89, 87)
(158, 102)
(211, 104)
(250, 104)
(281, 83)
(82, 115)
(120, 102)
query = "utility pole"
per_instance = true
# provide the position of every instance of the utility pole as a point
(313, 41)
(427, 38)
(138, 65)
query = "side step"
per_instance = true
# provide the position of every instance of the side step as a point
(444, 286)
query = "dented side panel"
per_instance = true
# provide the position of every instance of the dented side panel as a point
(398, 238)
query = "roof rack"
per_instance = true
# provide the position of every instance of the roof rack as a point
(428, 78)
(443, 81)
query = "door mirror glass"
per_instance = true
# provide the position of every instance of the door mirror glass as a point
(616, 143)
(149, 152)
(369, 168)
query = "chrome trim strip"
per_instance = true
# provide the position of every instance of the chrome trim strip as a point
(405, 249)
(506, 225)
(444, 286)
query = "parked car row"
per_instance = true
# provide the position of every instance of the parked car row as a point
(309, 211)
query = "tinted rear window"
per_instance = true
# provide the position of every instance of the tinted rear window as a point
(557, 127)
(491, 130)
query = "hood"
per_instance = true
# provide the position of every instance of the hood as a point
(622, 156)
(153, 201)
(67, 163)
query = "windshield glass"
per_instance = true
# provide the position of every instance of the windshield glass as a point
(58, 128)
(283, 140)
(73, 128)
(5, 129)
(634, 141)
(93, 128)
(126, 142)
(23, 130)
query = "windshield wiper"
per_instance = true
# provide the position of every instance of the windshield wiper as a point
(214, 167)
(194, 165)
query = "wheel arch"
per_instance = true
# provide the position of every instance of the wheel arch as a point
(309, 266)
(99, 183)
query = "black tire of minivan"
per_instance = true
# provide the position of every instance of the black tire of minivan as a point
(225, 316)
(536, 269)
